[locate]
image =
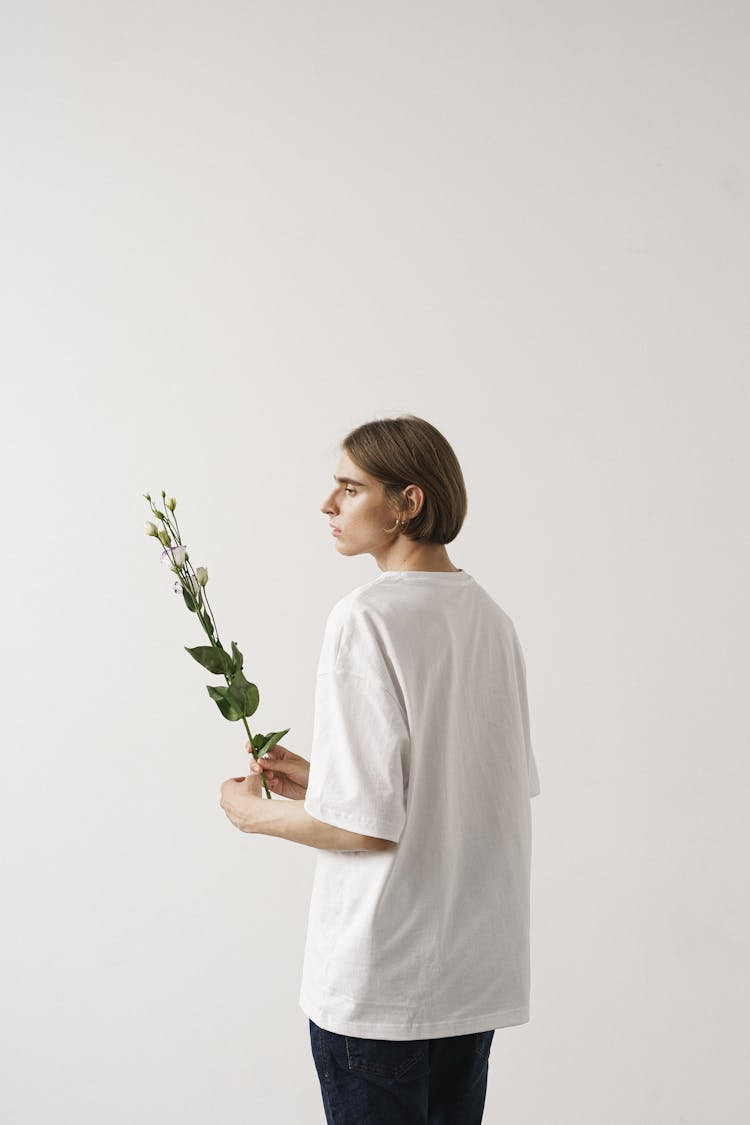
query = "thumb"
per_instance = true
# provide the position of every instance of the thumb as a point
(253, 783)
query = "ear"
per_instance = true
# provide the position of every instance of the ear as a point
(414, 500)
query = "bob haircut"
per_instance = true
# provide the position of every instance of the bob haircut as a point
(408, 450)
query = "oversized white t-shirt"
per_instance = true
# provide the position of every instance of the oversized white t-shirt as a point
(421, 736)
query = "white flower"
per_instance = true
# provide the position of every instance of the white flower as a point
(202, 574)
(175, 554)
(150, 528)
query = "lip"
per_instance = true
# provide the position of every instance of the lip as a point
(334, 530)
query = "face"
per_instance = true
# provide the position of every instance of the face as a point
(356, 506)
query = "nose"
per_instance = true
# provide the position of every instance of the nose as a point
(327, 507)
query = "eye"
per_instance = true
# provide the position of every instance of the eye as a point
(350, 491)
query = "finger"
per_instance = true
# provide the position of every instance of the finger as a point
(260, 768)
(257, 772)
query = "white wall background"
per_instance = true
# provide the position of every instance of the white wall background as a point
(231, 232)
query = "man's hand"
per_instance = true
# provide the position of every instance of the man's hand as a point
(286, 773)
(238, 797)
(241, 800)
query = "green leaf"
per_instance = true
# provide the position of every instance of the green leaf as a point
(188, 599)
(244, 694)
(213, 658)
(270, 740)
(224, 702)
(237, 658)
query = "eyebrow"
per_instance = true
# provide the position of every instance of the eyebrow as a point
(349, 480)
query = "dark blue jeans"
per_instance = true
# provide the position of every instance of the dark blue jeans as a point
(402, 1082)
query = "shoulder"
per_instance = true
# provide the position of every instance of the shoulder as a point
(357, 636)
(356, 610)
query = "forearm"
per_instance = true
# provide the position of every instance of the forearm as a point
(291, 821)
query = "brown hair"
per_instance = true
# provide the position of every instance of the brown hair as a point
(408, 450)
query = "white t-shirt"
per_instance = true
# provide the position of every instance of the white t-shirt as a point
(421, 736)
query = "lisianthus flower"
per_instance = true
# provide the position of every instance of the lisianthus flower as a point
(239, 699)
(175, 554)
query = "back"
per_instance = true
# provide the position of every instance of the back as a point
(421, 736)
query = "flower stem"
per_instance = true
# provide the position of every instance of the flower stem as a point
(175, 532)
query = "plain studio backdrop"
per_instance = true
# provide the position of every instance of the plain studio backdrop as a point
(232, 232)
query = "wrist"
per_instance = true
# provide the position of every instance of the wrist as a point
(254, 814)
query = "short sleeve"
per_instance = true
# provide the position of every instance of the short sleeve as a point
(359, 756)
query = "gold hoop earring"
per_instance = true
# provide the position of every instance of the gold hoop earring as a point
(399, 524)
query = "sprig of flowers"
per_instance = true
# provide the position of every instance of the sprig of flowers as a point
(239, 699)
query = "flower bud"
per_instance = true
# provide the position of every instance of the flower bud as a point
(159, 514)
(201, 574)
(150, 528)
(171, 503)
(147, 495)
(163, 537)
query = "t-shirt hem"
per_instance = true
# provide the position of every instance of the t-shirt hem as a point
(365, 827)
(429, 1029)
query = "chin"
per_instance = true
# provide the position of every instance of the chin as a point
(344, 550)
